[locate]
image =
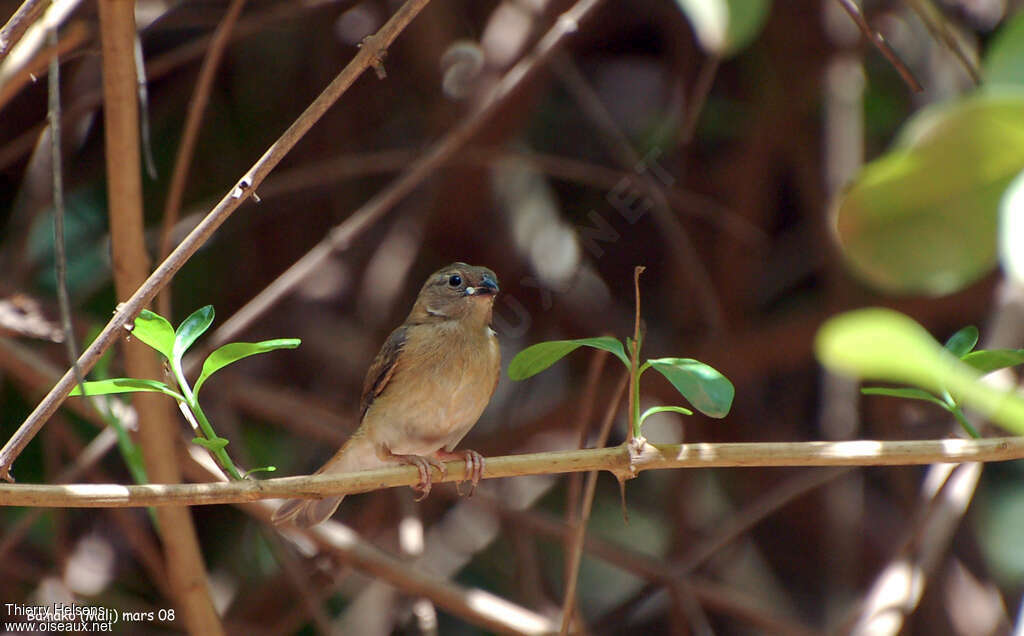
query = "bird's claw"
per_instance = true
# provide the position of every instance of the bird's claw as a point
(474, 469)
(423, 465)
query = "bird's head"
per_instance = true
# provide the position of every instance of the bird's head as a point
(458, 291)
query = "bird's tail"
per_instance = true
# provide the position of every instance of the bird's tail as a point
(356, 454)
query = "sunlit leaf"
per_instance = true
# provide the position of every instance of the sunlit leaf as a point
(235, 351)
(724, 27)
(882, 344)
(664, 409)
(706, 389)
(989, 360)
(534, 359)
(126, 385)
(909, 393)
(154, 330)
(191, 328)
(1011, 230)
(922, 218)
(961, 343)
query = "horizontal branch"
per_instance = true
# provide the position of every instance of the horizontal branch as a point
(617, 460)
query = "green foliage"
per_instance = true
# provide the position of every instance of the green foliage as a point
(234, 351)
(155, 331)
(1011, 230)
(126, 385)
(923, 217)
(882, 344)
(725, 27)
(1004, 59)
(706, 389)
(190, 329)
(534, 359)
(927, 216)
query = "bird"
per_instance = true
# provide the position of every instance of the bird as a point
(425, 389)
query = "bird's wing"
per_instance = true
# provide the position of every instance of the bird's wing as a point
(382, 369)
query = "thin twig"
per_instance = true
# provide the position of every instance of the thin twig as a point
(60, 255)
(127, 311)
(142, 87)
(883, 47)
(190, 135)
(583, 418)
(74, 36)
(634, 355)
(342, 235)
(615, 459)
(579, 534)
(18, 23)
(939, 27)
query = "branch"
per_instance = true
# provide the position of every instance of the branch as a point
(16, 26)
(883, 47)
(372, 50)
(614, 459)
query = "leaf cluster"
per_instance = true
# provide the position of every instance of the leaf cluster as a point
(156, 331)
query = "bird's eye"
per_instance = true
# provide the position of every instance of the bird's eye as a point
(454, 280)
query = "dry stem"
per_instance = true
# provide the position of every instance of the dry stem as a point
(615, 459)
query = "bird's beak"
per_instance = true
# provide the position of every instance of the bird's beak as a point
(487, 287)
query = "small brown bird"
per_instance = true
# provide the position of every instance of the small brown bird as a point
(426, 388)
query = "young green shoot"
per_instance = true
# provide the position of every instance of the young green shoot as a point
(155, 331)
(706, 389)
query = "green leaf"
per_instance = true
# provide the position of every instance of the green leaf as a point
(989, 360)
(154, 330)
(922, 218)
(126, 385)
(664, 409)
(882, 344)
(1004, 58)
(235, 351)
(190, 329)
(1011, 230)
(212, 445)
(532, 360)
(961, 343)
(724, 27)
(704, 387)
(911, 394)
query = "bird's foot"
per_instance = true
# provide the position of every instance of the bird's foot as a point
(474, 468)
(423, 465)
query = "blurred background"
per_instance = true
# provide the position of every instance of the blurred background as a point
(764, 161)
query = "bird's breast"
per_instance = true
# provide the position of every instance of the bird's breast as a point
(442, 383)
